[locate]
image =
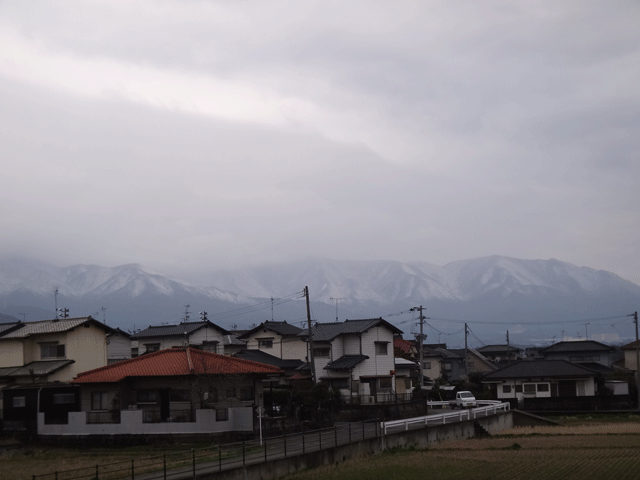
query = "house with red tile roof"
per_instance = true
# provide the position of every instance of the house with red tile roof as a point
(181, 390)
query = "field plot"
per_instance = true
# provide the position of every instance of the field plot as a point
(591, 452)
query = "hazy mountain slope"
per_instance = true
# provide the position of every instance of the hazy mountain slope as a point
(483, 289)
(390, 282)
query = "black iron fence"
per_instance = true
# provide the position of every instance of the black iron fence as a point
(189, 463)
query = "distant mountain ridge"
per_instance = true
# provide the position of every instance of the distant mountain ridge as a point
(389, 282)
(495, 288)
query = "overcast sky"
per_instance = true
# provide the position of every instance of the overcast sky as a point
(193, 136)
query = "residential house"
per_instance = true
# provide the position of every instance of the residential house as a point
(475, 362)
(232, 344)
(433, 364)
(405, 348)
(118, 346)
(631, 353)
(501, 354)
(582, 351)
(52, 350)
(179, 390)
(289, 367)
(406, 374)
(356, 358)
(204, 335)
(541, 379)
(280, 339)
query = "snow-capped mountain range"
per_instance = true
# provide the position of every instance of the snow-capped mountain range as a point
(489, 288)
(390, 282)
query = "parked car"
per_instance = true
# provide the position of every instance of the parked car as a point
(465, 399)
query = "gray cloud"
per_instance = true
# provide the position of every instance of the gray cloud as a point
(191, 136)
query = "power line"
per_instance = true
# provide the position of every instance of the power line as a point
(517, 322)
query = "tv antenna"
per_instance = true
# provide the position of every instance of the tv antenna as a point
(186, 313)
(24, 316)
(336, 299)
(104, 315)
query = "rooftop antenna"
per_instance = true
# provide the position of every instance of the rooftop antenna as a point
(24, 316)
(203, 316)
(336, 299)
(104, 315)
(272, 309)
(55, 296)
(186, 313)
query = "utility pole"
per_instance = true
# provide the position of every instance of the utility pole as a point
(635, 320)
(310, 340)
(508, 349)
(421, 337)
(466, 351)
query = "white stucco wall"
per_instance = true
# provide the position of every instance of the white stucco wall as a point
(240, 420)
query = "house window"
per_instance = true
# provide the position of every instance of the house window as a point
(518, 388)
(231, 392)
(246, 393)
(447, 366)
(339, 383)
(211, 396)
(529, 388)
(63, 398)
(384, 383)
(427, 365)
(51, 350)
(543, 387)
(151, 347)
(381, 348)
(321, 352)
(19, 402)
(210, 347)
(99, 401)
(134, 352)
(222, 415)
(179, 396)
(506, 388)
(148, 396)
(265, 342)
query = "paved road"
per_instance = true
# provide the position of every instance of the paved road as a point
(251, 453)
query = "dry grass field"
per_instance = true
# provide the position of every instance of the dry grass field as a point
(582, 449)
(591, 451)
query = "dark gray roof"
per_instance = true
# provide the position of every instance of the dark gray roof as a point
(346, 362)
(6, 327)
(184, 328)
(262, 357)
(40, 368)
(540, 369)
(28, 329)
(325, 332)
(577, 346)
(281, 328)
(497, 349)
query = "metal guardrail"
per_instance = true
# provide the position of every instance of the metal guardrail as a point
(491, 407)
(189, 463)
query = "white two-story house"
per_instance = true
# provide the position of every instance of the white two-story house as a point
(204, 335)
(280, 339)
(355, 357)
